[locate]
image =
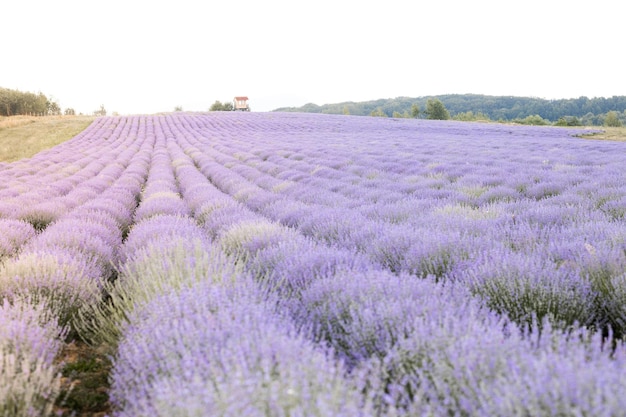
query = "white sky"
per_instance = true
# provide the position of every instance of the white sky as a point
(138, 56)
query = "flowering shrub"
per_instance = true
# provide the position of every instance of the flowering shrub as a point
(221, 350)
(30, 339)
(14, 234)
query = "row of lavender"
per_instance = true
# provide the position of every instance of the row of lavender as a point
(192, 332)
(221, 297)
(60, 236)
(529, 218)
(397, 344)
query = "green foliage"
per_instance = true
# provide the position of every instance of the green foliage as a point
(612, 120)
(53, 108)
(398, 115)
(590, 112)
(178, 108)
(219, 106)
(435, 110)
(568, 121)
(470, 116)
(70, 112)
(415, 111)
(15, 102)
(534, 120)
(378, 112)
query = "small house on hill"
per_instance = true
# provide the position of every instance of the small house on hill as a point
(241, 103)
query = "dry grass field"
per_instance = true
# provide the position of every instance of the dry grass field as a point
(607, 133)
(24, 136)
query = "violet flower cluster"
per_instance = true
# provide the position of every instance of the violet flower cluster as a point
(30, 339)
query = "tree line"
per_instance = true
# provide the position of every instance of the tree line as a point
(219, 106)
(528, 110)
(15, 102)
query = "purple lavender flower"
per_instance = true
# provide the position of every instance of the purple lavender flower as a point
(158, 228)
(30, 339)
(59, 279)
(13, 234)
(224, 351)
(524, 288)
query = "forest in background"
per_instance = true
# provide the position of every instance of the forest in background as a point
(582, 111)
(19, 103)
(529, 110)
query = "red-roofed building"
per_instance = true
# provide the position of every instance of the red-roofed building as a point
(241, 103)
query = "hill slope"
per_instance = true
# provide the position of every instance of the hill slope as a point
(494, 107)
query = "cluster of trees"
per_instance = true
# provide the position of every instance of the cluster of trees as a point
(101, 111)
(15, 102)
(219, 106)
(528, 110)
(435, 110)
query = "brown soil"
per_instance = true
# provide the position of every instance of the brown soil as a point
(85, 382)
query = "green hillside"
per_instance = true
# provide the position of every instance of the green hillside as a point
(588, 111)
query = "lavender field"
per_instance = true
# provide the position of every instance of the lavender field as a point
(285, 264)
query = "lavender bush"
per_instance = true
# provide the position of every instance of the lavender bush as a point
(61, 281)
(221, 350)
(30, 339)
(529, 289)
(164, 265)
(13, 234)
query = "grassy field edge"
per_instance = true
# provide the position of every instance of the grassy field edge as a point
(24, 136)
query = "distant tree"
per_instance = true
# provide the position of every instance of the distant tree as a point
(568, 121)
(378, 112)
(435, 110)
(415, 111)
(589, 111)
(346, 110)
(101, 111)
(53, 108)
(219, 106)
(590, 119)
(13, 102)
(467, 116)
(470, 116)
(533, 119)
(574, 121)
(178, 108)
(561, 122)
(612, 119)
(70, 112)
(398, 115)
